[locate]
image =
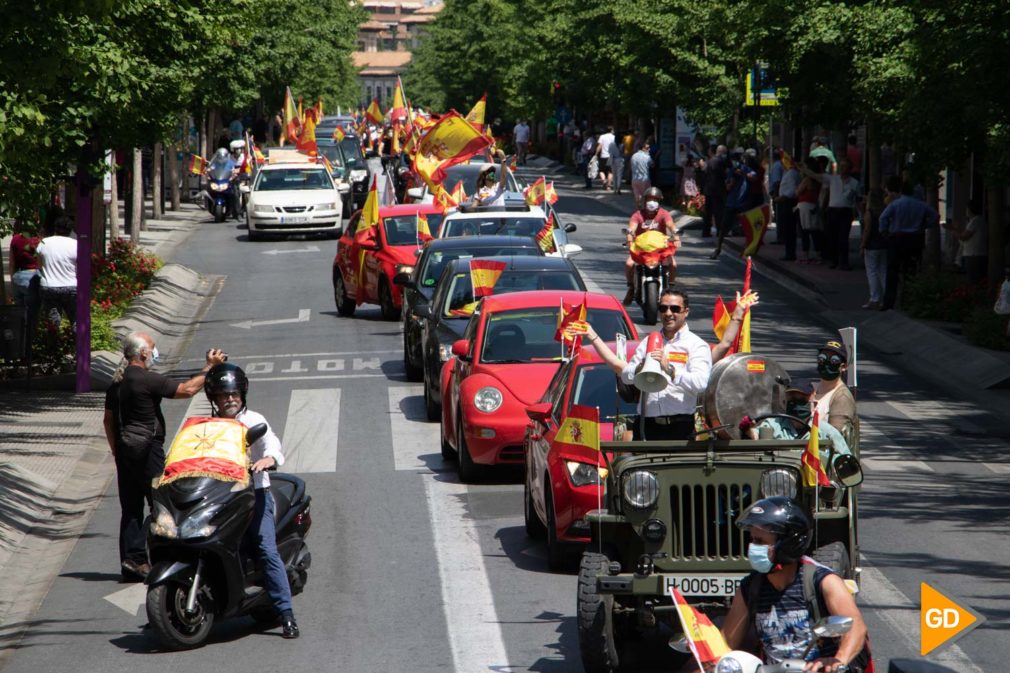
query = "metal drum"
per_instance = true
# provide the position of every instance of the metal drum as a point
(745, 384)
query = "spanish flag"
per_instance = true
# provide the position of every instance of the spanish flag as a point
(545, 237)
(721, 315)
(484, 273)
(754, 223)
(450, 141)
(706, 641)
(443, 198)
(571, 323)
(423, 230)
(368, 227)
(374, 112)
(651, 247)
(476, 115)
(307, 139)
(541, 191)
(208, 447)
(292, 130)
(787, 161)
(398, 113)
(326, 162)
(197, 164)
(580, 429)
(458, 194)
(338, 134)
(813, 471)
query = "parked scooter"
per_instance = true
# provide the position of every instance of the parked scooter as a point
(201, 571)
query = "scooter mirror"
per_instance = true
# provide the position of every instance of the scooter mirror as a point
(834, 626)
(679, 644)
(244, 189)
(255, 433)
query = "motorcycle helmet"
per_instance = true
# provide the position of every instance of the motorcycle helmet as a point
(651, 193)
(237, 147)
(225, 378)
(786, 519)
(221, 155)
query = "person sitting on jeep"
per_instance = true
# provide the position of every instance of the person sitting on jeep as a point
(798, 405)
(833, 399)
(788, 593)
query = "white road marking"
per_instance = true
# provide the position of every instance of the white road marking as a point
(301, 355)
(886, 601)
(317, 378)
(475, 637)
(303, 316)
(311, 248)
(413, 435)
(895, 465)
(130, 599)
(311, 430)
(199, 405)
(998, 468)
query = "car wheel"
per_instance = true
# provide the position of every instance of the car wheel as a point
(557, 551)
(597, 641)
(389, 310)
(447, 451)
(469, 471)
(345, 305)
(431, 408)
(253, 234)
(534, 526)
(836, 557)
(414, 372)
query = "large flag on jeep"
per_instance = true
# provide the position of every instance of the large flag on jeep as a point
(813, 470)
(706, 641)
(208, 447)
(483, 275)
(580, 429)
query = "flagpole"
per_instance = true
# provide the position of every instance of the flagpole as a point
(746, 289)
(417, 229)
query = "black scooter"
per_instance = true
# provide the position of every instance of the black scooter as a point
(200, 570)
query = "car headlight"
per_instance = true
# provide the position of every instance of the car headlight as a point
(583, 474)
(358, 175)
(328, 206)
(263, 209)
(444, 352)
(728, 665)
(163, 524)
(778, 481)
(198, 525)
(487, 399)
(404, 268)
(641, 489)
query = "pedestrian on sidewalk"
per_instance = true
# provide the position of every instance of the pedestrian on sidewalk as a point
(775, 173)
(844, 194)
(617, 164)
(57, 256)
(605, 149)
(874, 249)
(24, 267)
(641, 162)
(714, 190)
(521, 139)
(786, 215)
(807, 196)
(738, 196)
(135, 430)
(974, 238)
(903, 225)
(587, 157)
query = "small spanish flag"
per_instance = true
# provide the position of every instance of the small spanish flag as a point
(484, 273)
(580, 429)
(374, 112)
(754, 223)
(706, 641)
(571, 323)
(540, 191)
(545, 237)
(423, 230)
(721, 315)
(338, 134)
(813, 470)
(292, 129)
(369, 225)
(476, 115)
(197, 164)
(787, 161)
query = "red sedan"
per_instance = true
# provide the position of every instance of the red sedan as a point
(395, 249)
(562, 481)
(502, 364)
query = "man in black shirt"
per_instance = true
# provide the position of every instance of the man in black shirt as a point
(135, 429)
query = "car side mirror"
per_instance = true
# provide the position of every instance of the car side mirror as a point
(415, 193)
(255, 433)
(423, 311)
(461, 349)
(571, 249)
(539, 412)
(403, 279)
(847, 470)
(570, 227)
(244, 189)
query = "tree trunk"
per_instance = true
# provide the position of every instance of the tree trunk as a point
(136, 196)
(931, 256)
(997, 240)
(157, 204)
(173, 176)
(114, 204)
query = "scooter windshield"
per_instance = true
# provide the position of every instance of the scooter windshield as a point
(220, 171)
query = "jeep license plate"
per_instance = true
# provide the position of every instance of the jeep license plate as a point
(703, 585)
(294, 220)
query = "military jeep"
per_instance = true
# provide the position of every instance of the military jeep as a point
(670, 510)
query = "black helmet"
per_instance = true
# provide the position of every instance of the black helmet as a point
(225, 378)
(786, 519)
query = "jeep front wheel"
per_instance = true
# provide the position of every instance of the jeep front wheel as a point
(597, 643)
(836, 557)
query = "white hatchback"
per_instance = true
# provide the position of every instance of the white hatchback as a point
(293, 198)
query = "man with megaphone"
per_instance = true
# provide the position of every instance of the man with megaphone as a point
(671, 368)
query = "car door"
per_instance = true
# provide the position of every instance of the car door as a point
(373, 265)
(347, 255)
(463, 368)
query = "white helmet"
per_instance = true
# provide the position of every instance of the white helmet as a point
(237, 148)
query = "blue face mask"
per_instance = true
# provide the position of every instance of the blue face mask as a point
(757, 555)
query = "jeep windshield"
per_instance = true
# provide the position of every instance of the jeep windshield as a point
(527, 335)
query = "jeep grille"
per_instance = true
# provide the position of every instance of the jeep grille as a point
(704, 516)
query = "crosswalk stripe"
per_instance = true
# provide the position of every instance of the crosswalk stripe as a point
(311, 430)
(414, 438)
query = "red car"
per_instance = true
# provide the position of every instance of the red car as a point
(502, 365)
(396, 250)
(562, 482)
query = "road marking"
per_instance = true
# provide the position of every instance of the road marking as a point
(475, 636)
(413, 436)
(317, 378)
(272, 356)
(303, 316)
(199, 405)
(311, 430)
(998, 468)
(895, 465)
(311, 248)
(130, 599)
(902, 615)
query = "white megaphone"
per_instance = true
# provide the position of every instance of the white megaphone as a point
(651, 379)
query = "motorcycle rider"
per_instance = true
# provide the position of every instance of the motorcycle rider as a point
(226, 387)
(650, 216)
(775, 601)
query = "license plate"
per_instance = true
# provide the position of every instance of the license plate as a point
(294, 220)
(703, 585)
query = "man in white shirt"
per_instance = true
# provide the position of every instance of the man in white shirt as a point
(686, 360)
(605, 148)
(57, 254)
(521, 139)
(785, 209)
(844, 194)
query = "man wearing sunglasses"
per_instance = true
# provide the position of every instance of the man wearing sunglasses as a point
(833, 398)
(686, 361)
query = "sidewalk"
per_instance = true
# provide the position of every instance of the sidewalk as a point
(55, 463)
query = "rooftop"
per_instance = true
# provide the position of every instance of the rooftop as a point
(380, 62)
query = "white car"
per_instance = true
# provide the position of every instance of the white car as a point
(515, 218)
(293, 198)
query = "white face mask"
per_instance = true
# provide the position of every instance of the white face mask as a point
(153, 357)
(652, 205)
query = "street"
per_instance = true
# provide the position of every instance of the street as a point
(414, 571)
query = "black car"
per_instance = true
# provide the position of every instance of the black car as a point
(357, 169)
(445, 318)
(419, 284)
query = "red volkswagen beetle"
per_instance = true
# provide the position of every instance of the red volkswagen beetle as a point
(395, 249)
(502, 364)
(562, 481)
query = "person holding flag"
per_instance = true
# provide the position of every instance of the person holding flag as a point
(491, 192)
(787, 592)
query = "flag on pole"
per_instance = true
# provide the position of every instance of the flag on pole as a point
(571, 323)
(374, 112)
(580, 429)
(319, 108)
(338, 134)
(484, 273)
(197, 164)
(398, 113)
(706, 641)
(742, 342)
(813, 470)
(540, 191)
(367, 233)
(754, 223)
(307, 139)
(545, 237)
(476, 114)
(443, 198)
(452, 140)
(721, 315)
(292, 129)
(458, 193)
(423, 230)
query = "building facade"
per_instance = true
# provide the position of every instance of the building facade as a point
(385, 42)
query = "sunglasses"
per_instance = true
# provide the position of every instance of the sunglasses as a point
(672, 308)
(833, 360)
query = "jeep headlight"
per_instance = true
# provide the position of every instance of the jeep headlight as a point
(444, 352)
(641, 489)
(584, 474)
(163, 524)
(778, 481)
(487, 399)
(198, 524)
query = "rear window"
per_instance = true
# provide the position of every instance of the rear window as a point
(438, 260)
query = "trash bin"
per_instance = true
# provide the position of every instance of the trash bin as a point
(12, 333)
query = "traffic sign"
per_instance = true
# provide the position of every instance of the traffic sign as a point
(943, 621)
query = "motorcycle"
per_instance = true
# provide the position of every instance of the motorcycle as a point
(200, 569)
(221, 188)
(648, 250)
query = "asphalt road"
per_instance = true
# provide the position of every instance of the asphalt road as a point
(414, 571)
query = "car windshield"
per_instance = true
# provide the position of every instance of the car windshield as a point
(333, 153)
(437, 261)
(402, 229)
(527, 335)
(596, 386)
(493, 224)
(293, 178)
(352, 153)
(460, 293)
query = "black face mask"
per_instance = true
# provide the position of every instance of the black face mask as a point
(799, 409)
